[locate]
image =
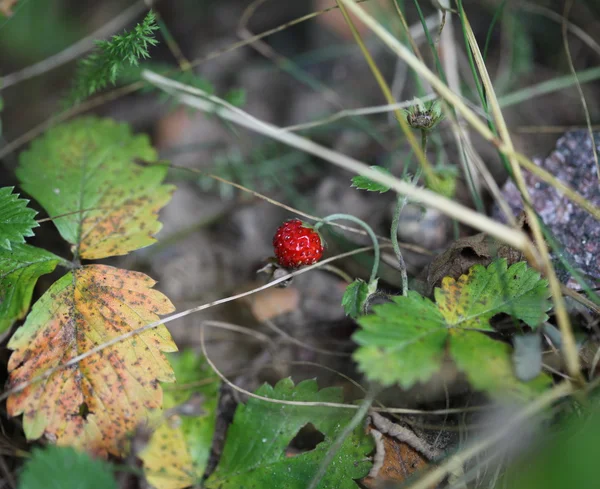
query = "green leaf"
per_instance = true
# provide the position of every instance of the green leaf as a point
(356, 296)
(19, 270)
(254, 454)
(86, 170)
(16, 219)
(64, 468)
(365, 183)
(404, 341)
(488, 366)
(178, 451)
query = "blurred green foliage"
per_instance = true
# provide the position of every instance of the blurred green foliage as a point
(39, 28)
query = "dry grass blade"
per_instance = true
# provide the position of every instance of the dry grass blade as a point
(570, 351)
(202, 101)
(75, 360)
(466, 112)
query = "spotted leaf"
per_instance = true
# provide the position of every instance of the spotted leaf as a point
(96, 403)
(472, 300)
(86, 172)
(178, 451)
(405, 341)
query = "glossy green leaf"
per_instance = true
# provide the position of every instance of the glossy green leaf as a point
(86, 171)
(19, 270)
(64, 468)
(364, 183)
(178, 451)
(16, 219)
(405, 341)
(254, 455)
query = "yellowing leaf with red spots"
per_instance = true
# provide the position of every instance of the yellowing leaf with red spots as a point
(178, 451)
(96, 403)
(405, 341)
(86, 169)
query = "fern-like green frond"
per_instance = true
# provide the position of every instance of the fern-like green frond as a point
(102, 66)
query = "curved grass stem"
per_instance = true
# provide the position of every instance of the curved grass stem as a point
(366, 227)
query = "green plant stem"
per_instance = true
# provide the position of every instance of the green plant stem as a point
(367, 228)
(400, 203)
(346, 432)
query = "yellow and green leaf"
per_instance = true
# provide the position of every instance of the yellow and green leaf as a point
(178, 450)
(95, 404)
(85, 171)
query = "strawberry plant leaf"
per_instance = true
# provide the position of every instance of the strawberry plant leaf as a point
(488, 366)
(19, 270)
(178, 451)
(364, 183)
(96, 403)
(472, 300)
(86, 169)
(16, 219)
(405, 341)
(65, 468)
(402, 342)
(356, 295)
(254, 455)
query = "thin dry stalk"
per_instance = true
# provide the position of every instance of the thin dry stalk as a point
(203, 101)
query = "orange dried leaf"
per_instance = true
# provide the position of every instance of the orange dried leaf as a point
(274, 302)
(400, 462)
(94, 404)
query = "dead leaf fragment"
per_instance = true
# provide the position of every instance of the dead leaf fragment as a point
(479, 249)
(399, 463)
(274, 302)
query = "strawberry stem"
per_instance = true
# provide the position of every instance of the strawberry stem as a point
(367, 228)
(400, 203)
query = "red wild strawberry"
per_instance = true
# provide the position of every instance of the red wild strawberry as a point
(297, 244)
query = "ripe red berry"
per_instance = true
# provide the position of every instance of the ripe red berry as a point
(297, 244)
